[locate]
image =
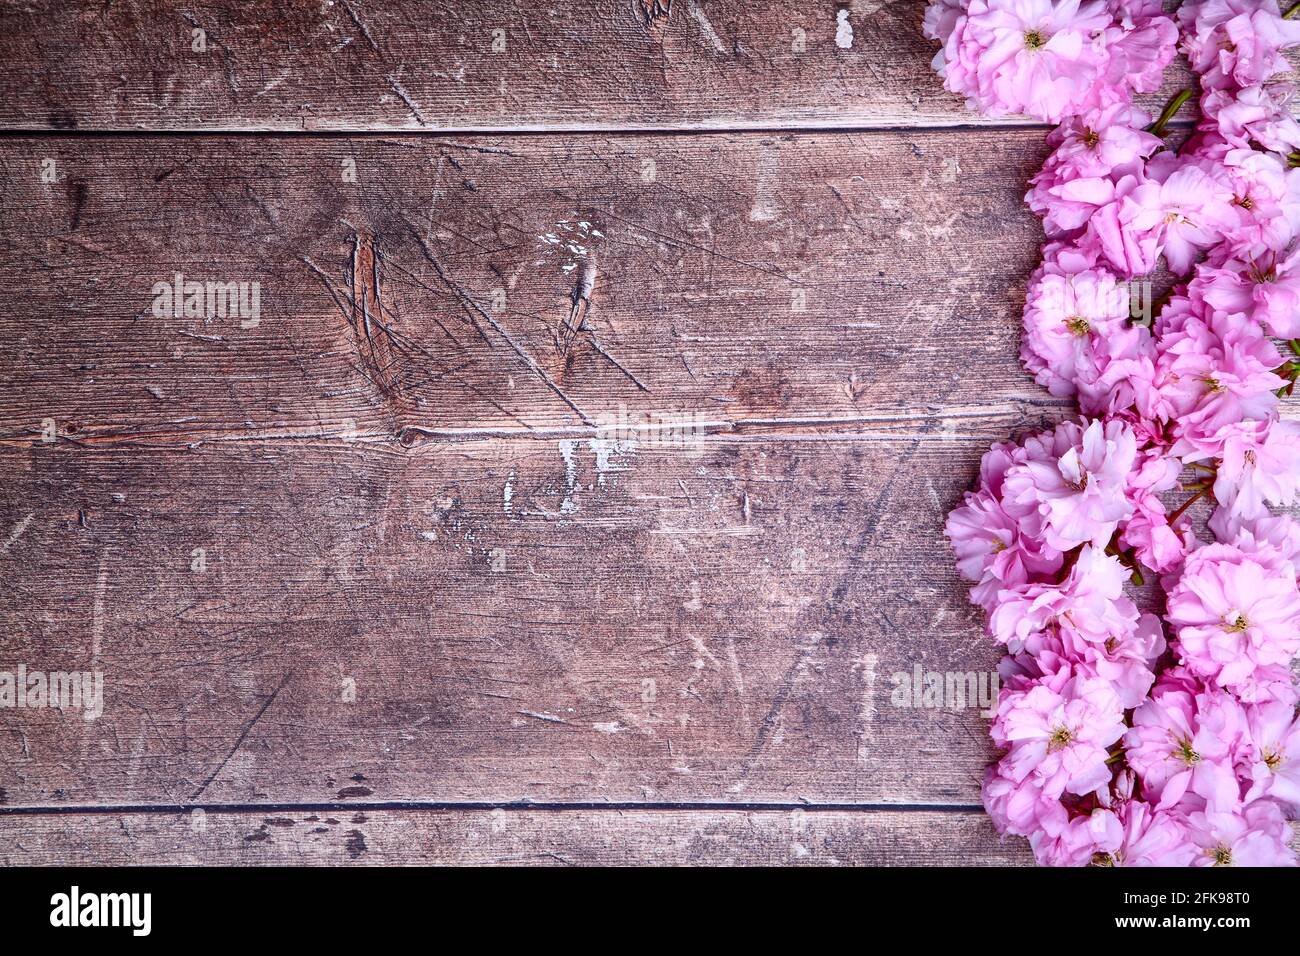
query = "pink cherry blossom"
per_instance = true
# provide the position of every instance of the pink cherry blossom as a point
(1255, 836)
(1074, 479)
(1259, 465)
(1273, 758)
(1233, 614)
(1262, 285)
(1133, 834)
(993, 550)
(1068, 321)
(1037, 57)
(1061, 739)
(1213, 372)
(1237, 42)
(1259, 114)
(1181, 742)
(1125, 743)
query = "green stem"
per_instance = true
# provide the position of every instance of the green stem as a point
(1291, 12)
(1172, 107)
(1185, 505)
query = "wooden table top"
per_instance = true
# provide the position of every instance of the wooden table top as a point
(575, 494)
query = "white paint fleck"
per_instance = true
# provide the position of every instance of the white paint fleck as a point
(604, 449)
(508, 493)
(867, 712)
(695, 603)
(843, 30)
(608, 727)
(764, 208)
(567, 449)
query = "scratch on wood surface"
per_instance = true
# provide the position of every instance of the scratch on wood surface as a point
(16, 533)
(737, 679)
(243, 735)
(706, 28)
(764, 208)
(769, 727)
(97, 612)
(581, 303)
(360, 25)
(469, 303)
(405, 97)
(600, 349)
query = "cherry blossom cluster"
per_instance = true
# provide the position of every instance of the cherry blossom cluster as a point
(1132, 737)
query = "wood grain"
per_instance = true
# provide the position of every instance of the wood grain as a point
(519, 619)
(870, 281)
(511, 838)
(360, 570)
(412, 65)
(395, 482)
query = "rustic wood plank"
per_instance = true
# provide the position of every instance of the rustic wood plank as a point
(586, 64)
(351, 465)
(511, 838)
(491, 620)
(516, 284)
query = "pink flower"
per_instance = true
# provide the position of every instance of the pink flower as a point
(1020, 807)
(1072, 646)
(1260, 462)
(1270, 539)
(1067, 318)
(1181, 214)
(1134, 834)
(1074, 844)
(1273, 762)
(1181, 742)
(1042, 58)
(1265, 199)
(992, 549)
(1061, 739)
(1140, 45)
(1154, 541)
(1257, 114)
(1126, 235)
(1088, 605)
(1075, 480)
(1124, 375)
(1098, 142)
(1212, 373)
(1264, 286)
(1237, 42)
(1233, 615)
(1098, 146)
(941, 18)
(1256, 836)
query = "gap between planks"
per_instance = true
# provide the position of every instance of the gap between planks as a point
(478, 806)
(536, 131)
